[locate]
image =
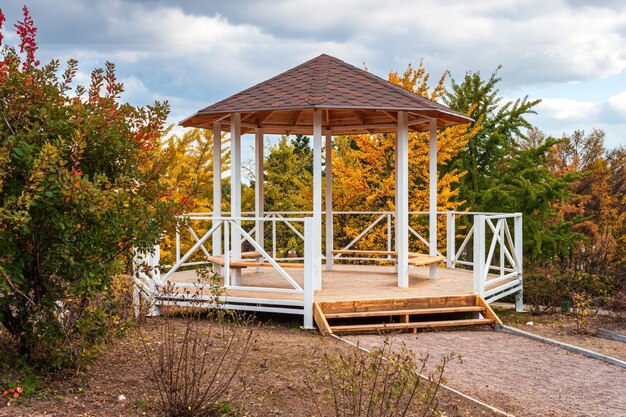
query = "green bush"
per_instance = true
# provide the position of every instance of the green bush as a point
(546, 291)
(79, 187)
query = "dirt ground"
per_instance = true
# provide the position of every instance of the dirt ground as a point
(275, 374)
(522, 376)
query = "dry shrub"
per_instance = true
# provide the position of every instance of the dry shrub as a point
(195, 360)
(382, 383)
(193, 365)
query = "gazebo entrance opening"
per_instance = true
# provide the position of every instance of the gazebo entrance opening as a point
(325, 97)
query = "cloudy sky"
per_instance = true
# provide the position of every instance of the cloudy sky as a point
(570, 53)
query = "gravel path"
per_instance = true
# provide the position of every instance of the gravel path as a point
(521, 376)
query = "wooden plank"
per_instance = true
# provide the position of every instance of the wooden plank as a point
(417, 311)
(219, 260)
(397, 303)
(244, 264)
(365, 252)
(347, 283)
(250, 254)
(414, 325)
(425, 260)
(416, 258)
(489, 313)
(320, 320)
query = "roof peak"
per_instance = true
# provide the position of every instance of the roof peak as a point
(326, 82)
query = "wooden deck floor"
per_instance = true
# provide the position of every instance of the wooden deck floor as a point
(352, 282)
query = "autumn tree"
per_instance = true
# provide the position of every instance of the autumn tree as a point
(363, 165)
(189, 181)
(617, 162)
(80, 186)
(595, 201)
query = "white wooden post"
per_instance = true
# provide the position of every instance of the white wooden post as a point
(309, 259)
(177, 243)
(217, 190)
(389, 234)
(519, 255)
(155, 280)
(504, 225)
(259, 198)
(235, 192)
(317, 200)
(450, 239)
(402, 196)
(274, 237)
(432, 206)
(479, 255)
(226, 254)
(136, 299)
(396, 168)
(329, 202)
(156, 264)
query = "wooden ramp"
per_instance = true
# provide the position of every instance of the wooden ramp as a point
(373, 316)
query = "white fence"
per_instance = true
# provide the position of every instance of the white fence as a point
(489, 244)
(161, 290)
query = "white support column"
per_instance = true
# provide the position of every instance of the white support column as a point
(450, 239)
(317, 200)
(259, 198)
(309, 257)
(395, 201)
(432, 193)
(217, 189)
(479, 255)
(235, 191)
(329, 202)
(519, 259)
(402, 197)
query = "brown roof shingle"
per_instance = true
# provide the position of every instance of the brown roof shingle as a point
(325, 82)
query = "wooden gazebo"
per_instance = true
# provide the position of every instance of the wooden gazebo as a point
(325, 97)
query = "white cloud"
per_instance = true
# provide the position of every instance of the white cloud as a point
(194, 53)
(568, 109)
(617, 103)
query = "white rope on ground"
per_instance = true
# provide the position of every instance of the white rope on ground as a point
(457, 392)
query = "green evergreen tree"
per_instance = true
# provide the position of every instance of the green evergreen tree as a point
(523, 182)
(501, 123)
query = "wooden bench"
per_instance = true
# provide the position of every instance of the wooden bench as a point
(415, 259)
(219, 260)
(419, 259)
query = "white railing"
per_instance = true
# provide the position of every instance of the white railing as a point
(154, 284)
(489, 244)
(147, 276)
(382, 219)
(498, 253)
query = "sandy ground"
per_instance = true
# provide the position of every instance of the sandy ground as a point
(522, 376)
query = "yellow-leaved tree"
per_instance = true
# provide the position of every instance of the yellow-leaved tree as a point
(363, 171)
(190, 179)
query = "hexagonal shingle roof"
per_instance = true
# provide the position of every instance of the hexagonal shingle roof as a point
(284, 103)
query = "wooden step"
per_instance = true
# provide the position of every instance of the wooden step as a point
(410, 311)
(414, 325)
(401, 312)
(413, 303)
